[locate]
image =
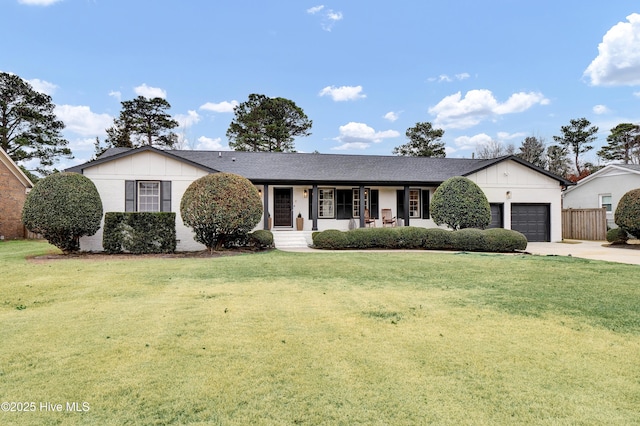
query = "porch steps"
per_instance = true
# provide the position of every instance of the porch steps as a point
(286, 239)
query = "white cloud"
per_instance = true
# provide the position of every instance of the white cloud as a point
(115, 94)
(504, 136)
(315, 9)
(456, 112)
(618, 60)
(636, 94)
(519, 102)
(352, 146)
(343, 93)
(209, 144)
(220, 107)
(392, 116)
(43, 86)
(329, 17)
(360, 136)
(471, 142)
(444, 78)
(600, 109)
(150, 92)
(189, 119)
(81, 121)
(38, 2)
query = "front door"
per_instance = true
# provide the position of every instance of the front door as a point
(282, 207)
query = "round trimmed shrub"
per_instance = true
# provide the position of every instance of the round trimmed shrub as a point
(627, 215)
(501, 240)
(63, 207)
(459, 203)
(330, 239)
(261, 239)
(221, 208)
(470, 239)
(437, 239)
(410, 237)
(617, 236)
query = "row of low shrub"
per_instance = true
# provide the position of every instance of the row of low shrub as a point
(140, 232)
(261, 239)
(490, 240)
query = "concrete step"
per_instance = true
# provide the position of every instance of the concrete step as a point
(291, 239)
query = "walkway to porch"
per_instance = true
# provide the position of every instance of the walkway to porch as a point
(286, 238)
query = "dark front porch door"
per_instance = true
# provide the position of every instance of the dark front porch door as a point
(282, 207)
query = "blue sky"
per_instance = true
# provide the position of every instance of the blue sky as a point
(363, 71)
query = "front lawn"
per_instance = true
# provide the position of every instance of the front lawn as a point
(318, 338)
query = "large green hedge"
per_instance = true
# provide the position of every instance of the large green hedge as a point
(221, 208)
(459, 203)
(627, 215)
(63, 207)
(413, 238)
(139, 233)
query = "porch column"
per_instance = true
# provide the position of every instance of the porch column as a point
(361, 207)
(406, 205)
(265, 196)
(314, 207)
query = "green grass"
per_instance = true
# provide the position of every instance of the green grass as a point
(320, 338)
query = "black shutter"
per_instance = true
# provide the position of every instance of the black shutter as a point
(344, 204)
(310, 204)
(373, 201)
(400, 203)
(130, 196)
(165, 196)
(425, 204)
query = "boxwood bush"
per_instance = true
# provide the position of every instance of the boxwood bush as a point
(490, 240)
(261, 239)
(63, 207)
(221, 208)
(627, 215)
(139, 233)
(331, 239)
(504, 240)
(617, 236)
(460, 203)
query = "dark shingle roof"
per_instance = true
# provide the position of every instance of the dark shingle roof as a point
(273, 167)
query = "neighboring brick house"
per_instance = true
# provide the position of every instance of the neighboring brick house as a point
(14, 187)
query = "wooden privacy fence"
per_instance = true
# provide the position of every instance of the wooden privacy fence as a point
(584, 224)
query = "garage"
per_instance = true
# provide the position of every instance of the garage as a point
(533, 220)
(497, 214)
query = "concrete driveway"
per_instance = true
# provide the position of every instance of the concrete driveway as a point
(595, 250)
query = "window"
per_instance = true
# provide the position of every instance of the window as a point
(326, 203)
(344, 203)
(605, 201)
(148, 196)
(356, 201)
(414, 203)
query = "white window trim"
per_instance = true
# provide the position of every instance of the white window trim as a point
(356, 201)
(418, 208)
(157, 196)
(602, 204)
(329, 203)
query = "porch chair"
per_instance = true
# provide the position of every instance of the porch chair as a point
(368, 220)
(387, 219)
